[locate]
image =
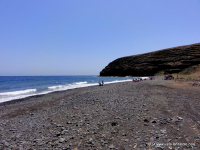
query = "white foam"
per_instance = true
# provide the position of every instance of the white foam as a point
(55, 87)
(5, 99)
(118, 81)
(18, 92)
(80, 83)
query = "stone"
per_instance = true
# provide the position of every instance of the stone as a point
(159, 147)
(12, 129)
(58, 133)
(61, 140)
(111, 146)
(126, 140)
(104, 142)
(103, 135)
(63, 128)
(179, 118)
(5, 143)
(64, 131)
(113, 132)
(58, 125)
(154, 121)
(163, 131)
(71, 137)
(123, 134)
(114, 124)
(37, 140)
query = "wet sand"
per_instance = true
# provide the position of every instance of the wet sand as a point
(155, 114)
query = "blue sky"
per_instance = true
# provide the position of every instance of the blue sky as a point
(80, 37)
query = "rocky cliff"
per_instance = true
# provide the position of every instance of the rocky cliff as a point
(182, 59)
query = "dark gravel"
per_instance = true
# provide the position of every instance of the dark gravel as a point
(146, 115)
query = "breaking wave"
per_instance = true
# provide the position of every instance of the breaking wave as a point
(18, 92)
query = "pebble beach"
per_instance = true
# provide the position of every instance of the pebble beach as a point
(146, 115)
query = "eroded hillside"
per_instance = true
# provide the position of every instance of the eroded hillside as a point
(182, 59)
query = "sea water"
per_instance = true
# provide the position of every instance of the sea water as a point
(17, 87)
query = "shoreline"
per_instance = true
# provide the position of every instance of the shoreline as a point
(12, 95)
(120, 116)
(36, 96)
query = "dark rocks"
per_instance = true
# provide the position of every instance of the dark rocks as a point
(114, 124)
(172, 60)
(57, 133)
(124, 134)
(153, 121)
(71, 137)
(111, 124)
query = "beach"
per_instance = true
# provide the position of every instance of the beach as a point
(152, 114)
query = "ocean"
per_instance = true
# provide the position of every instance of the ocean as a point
(17, 87)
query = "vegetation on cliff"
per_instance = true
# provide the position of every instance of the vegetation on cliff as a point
(182, 59)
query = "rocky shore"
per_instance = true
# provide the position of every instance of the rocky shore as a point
(146, 115)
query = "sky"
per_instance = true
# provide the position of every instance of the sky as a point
(81, 37)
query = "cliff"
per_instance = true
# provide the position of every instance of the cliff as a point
(182, 59)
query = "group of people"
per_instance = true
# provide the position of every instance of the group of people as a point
(136, 80)
(168, 77)
(101, 83)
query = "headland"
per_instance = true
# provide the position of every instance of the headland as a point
(181, 59)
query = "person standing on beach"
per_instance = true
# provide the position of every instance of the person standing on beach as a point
(102, 83)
